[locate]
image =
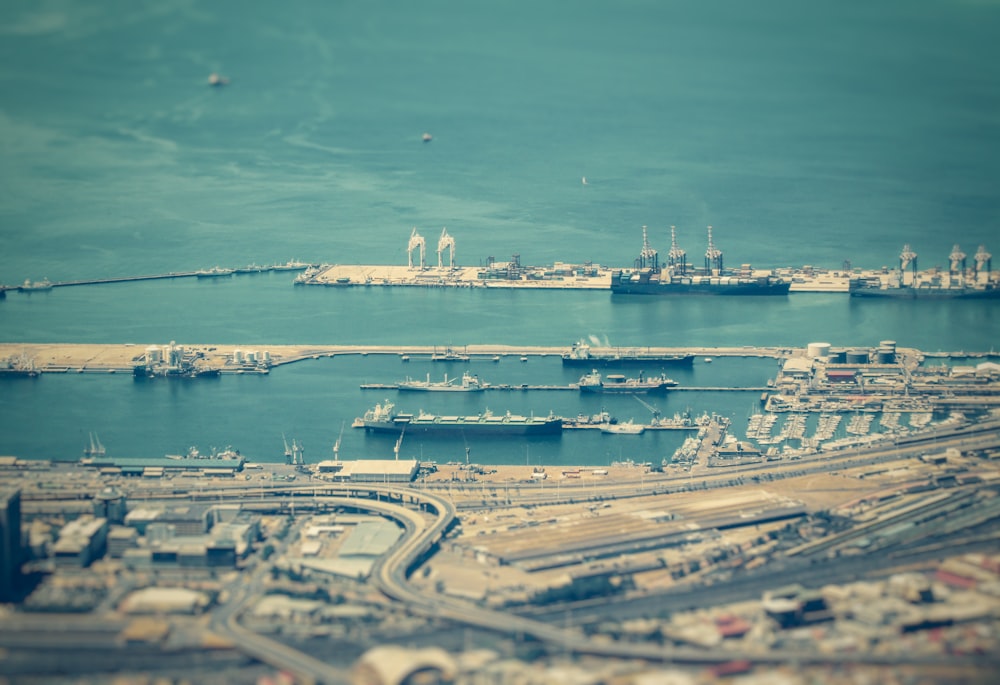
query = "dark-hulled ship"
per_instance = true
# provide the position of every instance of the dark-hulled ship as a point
(616, 383)
(649, 277)
(908, 283)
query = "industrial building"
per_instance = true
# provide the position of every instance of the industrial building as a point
(369, 470)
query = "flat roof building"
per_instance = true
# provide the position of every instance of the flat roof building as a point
(370, 470)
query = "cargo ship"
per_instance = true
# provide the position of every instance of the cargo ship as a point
(908, 283)
(593, 382)
(383, 418)
(649, 277)
(875, 288)
(469, 383)
(582, 354)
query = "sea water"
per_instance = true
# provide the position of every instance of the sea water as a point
(803, 133)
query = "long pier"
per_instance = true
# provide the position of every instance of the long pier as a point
(41, 286)
(576, 387)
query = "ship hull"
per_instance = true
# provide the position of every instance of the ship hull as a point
(597, 360)
(623, 389)
(693, 289)
(646, 283)
(432, 388)
(470, 427)
(929, 293)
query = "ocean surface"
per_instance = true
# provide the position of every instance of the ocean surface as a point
(804, 133)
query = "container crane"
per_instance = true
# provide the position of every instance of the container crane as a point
(446, 242)
(907, 258)
(957, 259)
(713, 256)
(416, 241)
(648, 258)
(676, 258)
(983, 260)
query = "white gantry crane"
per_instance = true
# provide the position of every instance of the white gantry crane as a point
(983, 261)
(416, 241)
(446, 242)
(908, 258)
(713, 256)
(957, 260)
(648, 258)
(676, 258)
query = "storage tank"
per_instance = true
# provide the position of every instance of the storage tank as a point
(237, 356)
(888, 344)
(817, 349)
(857, 356)
(252, 357)
(838, 355)
(153, 354)
(886, 355)
(265, 357)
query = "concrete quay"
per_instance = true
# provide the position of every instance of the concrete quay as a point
(120, 357)
(557, 277)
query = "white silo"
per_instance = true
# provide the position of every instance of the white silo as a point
(153, 355)
(814, 350)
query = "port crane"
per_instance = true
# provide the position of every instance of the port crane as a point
(983, 260)
(446, 242)
(416, 241)
(336, 445)
(653, 410)
(957, 260)
(676, 257)
(713, 256)
(399, 441)
(906, 258)
(648, 258)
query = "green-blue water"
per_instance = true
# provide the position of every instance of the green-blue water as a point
(804, 133)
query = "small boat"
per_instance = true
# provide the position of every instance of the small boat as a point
(217, 81)
(708, 360)
(427, 137)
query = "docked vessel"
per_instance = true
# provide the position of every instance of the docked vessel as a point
(214, 272)
(290, 265)
(594, 382)
(450, 355)
(624, 428)
(18, 365)
(31, 286)
(582, 354)
(469, 383)
(957, 283)
(649, 277)
(383, 418)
